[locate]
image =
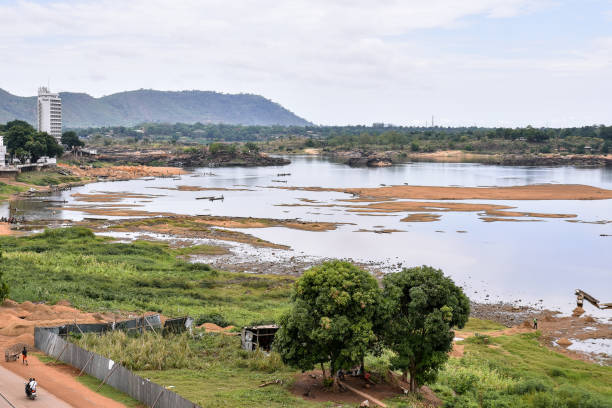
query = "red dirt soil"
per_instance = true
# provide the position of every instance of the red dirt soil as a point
(312, 389)
(60, 381)
(17, 323)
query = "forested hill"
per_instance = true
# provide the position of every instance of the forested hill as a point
(133, 107)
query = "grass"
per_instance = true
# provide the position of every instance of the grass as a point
(480, 325)
(517, 371)
(96, 274)
(45, 178)
(7, 189)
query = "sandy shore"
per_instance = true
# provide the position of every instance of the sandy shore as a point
(529, 192)
(5, 228)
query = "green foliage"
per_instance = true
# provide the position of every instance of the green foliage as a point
(331, 318)
(421, 306)
(24, 142)
(4, 289)
(147, 351)
(96, 274)
(71, 139)
(520, 372)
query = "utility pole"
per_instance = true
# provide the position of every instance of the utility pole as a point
(432, 121)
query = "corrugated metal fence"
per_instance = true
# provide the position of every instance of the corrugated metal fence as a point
(153, 395)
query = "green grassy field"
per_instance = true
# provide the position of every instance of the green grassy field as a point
(6, 190)
(96, 274)
(45, 178)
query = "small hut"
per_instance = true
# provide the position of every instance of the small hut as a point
(258, 337)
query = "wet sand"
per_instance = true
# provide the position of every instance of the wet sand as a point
(529, 192)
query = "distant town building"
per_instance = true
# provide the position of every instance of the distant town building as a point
(49, 111)
(2, 152)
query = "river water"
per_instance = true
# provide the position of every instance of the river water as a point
(537, 263)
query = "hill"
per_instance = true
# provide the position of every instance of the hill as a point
(133, 107)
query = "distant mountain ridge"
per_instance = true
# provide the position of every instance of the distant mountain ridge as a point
(132, 107)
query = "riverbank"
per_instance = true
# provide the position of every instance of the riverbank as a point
(377, 158)
(220, 155)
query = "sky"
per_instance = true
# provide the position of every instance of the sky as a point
(333, 62)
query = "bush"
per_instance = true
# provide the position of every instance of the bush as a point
(215, 318)
(463, 382)
(529, 385)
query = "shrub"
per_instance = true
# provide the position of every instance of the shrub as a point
(529, 385)
(215, 318)
(463, 382)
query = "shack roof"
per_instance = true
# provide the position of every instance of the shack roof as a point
(266, 326)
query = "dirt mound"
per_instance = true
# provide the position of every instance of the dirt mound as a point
(17, 320)
(564, 342)
(578, 311)
(213, 328)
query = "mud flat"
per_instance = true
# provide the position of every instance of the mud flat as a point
(528, 192)
(124, 172)
(201, 227)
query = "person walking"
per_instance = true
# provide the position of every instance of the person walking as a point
(24, 356)
(535, 323)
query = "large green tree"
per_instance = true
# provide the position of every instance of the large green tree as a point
(421, 307)
(24, 142)
(71, 139)
(331, 318)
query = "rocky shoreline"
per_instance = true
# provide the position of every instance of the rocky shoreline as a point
(364, 158)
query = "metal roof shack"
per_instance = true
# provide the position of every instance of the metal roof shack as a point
(258, 337)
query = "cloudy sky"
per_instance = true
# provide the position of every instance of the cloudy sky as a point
(482, 62)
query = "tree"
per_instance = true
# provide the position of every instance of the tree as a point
(421, 306)
(71, 139)
(25, 142)
(331, 318)
(4, 290)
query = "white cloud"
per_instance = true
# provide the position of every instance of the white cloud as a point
(330, 61)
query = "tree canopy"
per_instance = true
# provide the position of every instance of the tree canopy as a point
(421, 307)
(24, 142)
(331, 319)
(71, 139)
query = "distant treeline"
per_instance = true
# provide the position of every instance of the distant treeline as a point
(599, 136)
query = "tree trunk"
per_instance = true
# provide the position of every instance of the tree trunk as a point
(404, 376)
(323, 369)
(413, 382)
(363, 365)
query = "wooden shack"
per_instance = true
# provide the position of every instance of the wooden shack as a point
(258, 337)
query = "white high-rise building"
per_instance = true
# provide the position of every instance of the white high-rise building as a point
(49, 109)
(2, 152)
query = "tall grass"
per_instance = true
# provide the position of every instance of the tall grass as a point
(147, 351)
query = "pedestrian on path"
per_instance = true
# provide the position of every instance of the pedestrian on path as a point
(24, 356)
(535, 323)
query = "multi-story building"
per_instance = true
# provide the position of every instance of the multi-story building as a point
(2, 152)
(49, 109)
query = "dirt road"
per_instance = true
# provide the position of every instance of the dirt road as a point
(12, 388)
(57, 380)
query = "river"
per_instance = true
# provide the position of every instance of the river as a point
(536, 263)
